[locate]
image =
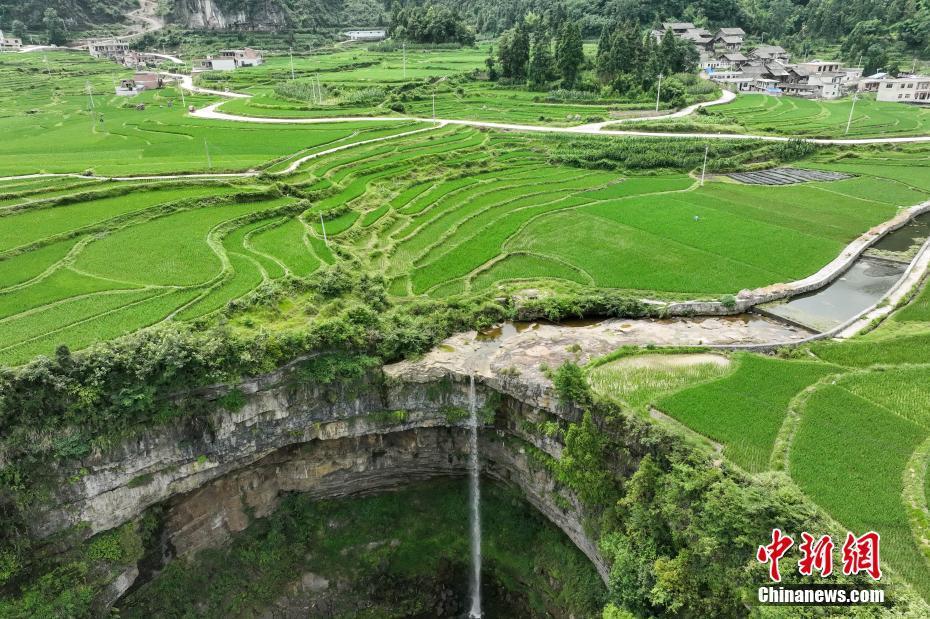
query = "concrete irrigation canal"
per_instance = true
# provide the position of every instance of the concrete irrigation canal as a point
(861, 287)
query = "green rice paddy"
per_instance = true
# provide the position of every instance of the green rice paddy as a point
(827, 119)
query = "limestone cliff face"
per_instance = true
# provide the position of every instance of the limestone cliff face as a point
(222, 15)
(292, 435)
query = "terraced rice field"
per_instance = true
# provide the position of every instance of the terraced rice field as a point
(442, 212)
(51, 124)
(811, 118)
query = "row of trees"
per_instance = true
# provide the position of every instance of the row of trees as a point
(626, 60)
(429, 24)
(531, 57)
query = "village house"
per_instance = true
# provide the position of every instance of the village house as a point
(149, 80)
(229, 60)
(700, 38)
(769, 52)
(728, 40)
(112, 49)
(378, 34)
(213, 64)
(128, 88)
(9, 43)
(141, 80)
(872, 82)
(247, 57)
(678, 28)
(911, 89)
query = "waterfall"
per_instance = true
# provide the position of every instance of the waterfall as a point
(474, 491)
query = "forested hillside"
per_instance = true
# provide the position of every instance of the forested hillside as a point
(76, 13)
(792, 22)
(865, 27)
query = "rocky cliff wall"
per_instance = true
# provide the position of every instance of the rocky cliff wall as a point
(292, 435)
(213, 15)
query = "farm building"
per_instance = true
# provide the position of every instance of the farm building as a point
(367, 35)
(913, 89)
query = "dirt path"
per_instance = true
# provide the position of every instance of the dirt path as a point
(144, 19)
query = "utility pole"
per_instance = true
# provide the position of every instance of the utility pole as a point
(290, 52)
(704, 168)
(658, 92)
(90, 94)
(209, 161)
(404, 48)
(323, 226)
(914, 66)
(851, 108)
(434, 106)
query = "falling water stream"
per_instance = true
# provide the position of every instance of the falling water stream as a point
(474, 491)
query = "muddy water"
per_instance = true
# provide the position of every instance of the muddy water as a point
(508, 329)
(863, 285)
(906, 238)
(858, 289)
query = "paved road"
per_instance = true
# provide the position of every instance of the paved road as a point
(212, 112)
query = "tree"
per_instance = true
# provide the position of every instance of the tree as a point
(513, 51)
(541, 67)
(866, 39)
(569, 53)
(621, 51)
(57, 33)
(490, 63)
(19, 29)
(430, 24)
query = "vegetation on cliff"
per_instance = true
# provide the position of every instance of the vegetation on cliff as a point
(680, 531)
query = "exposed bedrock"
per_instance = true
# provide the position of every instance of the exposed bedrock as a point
(210, 15)
(291, 435)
